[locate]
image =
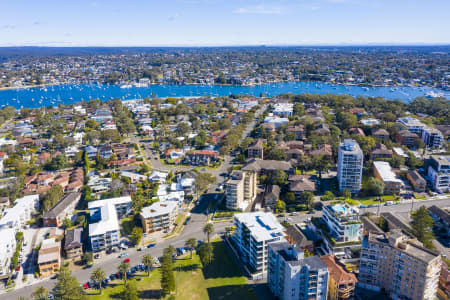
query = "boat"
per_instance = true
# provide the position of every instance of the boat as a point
(433, 94)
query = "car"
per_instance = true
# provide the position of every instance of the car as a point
(151, 245)
(311, 211)
(308, 220)
(362, 206)
(126, 260)
(123, 254)
(187, 220)
(140, 248)
(97, 256)
(280, 216)
(18, 268)
(86, 286)
(388, 203)
(50, 297)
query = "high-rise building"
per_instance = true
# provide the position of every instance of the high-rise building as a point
(350, 165)
(254, 231)
(439, 172)
(400, 266)
(240, 189)
(292, 276)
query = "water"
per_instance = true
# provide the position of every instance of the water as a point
(67, 94)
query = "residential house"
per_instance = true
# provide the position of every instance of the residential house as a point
(49, 257)
(383, 171)
(406, 138)
(380, 151)
(298, 184)
(201, 158)
(256, 150)
(271, 195)
(63, 209)
(418, 183)
(341, 283)
(73, 243)
(381, 133)
(298, 131)
(296, 237)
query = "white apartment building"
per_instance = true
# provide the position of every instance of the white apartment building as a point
(22, 211)
(412, 124)
(283, 109)
(343, 221)
(432, 137)
(291, 276)
(254, 231)
(439, 172)
(104, 231)
(121, 204)
(383, 171)
(7, 249)
(240, 190)
(350, 165)
(276, 121)
(159, 216)
(400, 266)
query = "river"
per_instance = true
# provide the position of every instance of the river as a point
(67, 94)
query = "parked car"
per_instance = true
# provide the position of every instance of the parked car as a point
(151, 245)
(126, 260)
(123, 254)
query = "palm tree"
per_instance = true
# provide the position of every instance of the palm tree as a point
(98, 276)
(123, 268)
(208, 229)
(191, 244)
(147, 260)
(170, 250)
(40, 293)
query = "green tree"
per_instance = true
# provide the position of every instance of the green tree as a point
(98, 276)
(123, 268)
(51, 197)
(67, 223)
(147, 260)
(375, 187)
(277, 177)
(67, 287)
(347, 194)
(208, 229)
(280, 206)
(421, 225)
(307, 198)
(129, 292)
(87, 258)
(203, 180)
(136, 235)
(290, 198)
(40, 293)
(206, 253)
(167, 275)
(191, 244)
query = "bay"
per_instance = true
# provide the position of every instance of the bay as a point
(68, 94)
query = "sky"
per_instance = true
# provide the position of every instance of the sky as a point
(222, 22)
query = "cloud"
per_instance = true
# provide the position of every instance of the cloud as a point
(8, 27)
(261, 10)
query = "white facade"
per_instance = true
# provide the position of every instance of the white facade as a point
(412, 124)
(291, 276)
(7, 249)
(254, 231)
(350, 165)
(343, 222)
(439, 173)
(159, 215)
(121, 204)
(105, 232)
(22, 211)
(276, 121)
(432, 137)
(283, 109)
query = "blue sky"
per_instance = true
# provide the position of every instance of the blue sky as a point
(222, 22)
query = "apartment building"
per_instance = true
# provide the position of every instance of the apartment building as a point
(432, 137)
(382, 170)
(350, 165)
(73, 243)
(104, 231)
(400, 266)
(254, 231)
(256, 150)
(159, 216)
(343, 228)
(240, 189)
(49, 258)
(22, 211)
(7, 249)
(418, 183)
(412, 124)
(122, 205)
(63, 209)
(439, 172)
(292, 276)
(341, 283)
(283, 109)
(406, 138)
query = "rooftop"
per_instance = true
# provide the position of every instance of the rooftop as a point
(263, 226)
(158, 209)
(337, 272)
(384, 169)
(108, 222)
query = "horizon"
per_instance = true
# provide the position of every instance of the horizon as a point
(221, 23)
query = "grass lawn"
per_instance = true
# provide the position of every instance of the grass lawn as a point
(219, 280)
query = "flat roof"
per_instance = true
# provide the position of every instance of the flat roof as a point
(118, 200)
(158, 209)
(108, 221)
(385, 171)
(263, 226)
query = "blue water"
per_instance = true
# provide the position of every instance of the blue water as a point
(67, 94)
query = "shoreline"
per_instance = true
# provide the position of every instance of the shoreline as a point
(225, 85)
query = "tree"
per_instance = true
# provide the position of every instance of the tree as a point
(191, 244)
(88, 258)
(375, 187)
(328, 196)
(203, 180)
(98, 276)
(129, 292)
(208, 229)
(421, 226)
(280, 206)
(321, 163)
(67, 223)
(123, 268)
(347, 194)
(277, 177)
(67, 287)
(167, 275)
(147, 260)
(51, 197)
(57, 163)
(290, 198)
(307, 198)
(40, 293)
(205, 251)
(136, 235)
